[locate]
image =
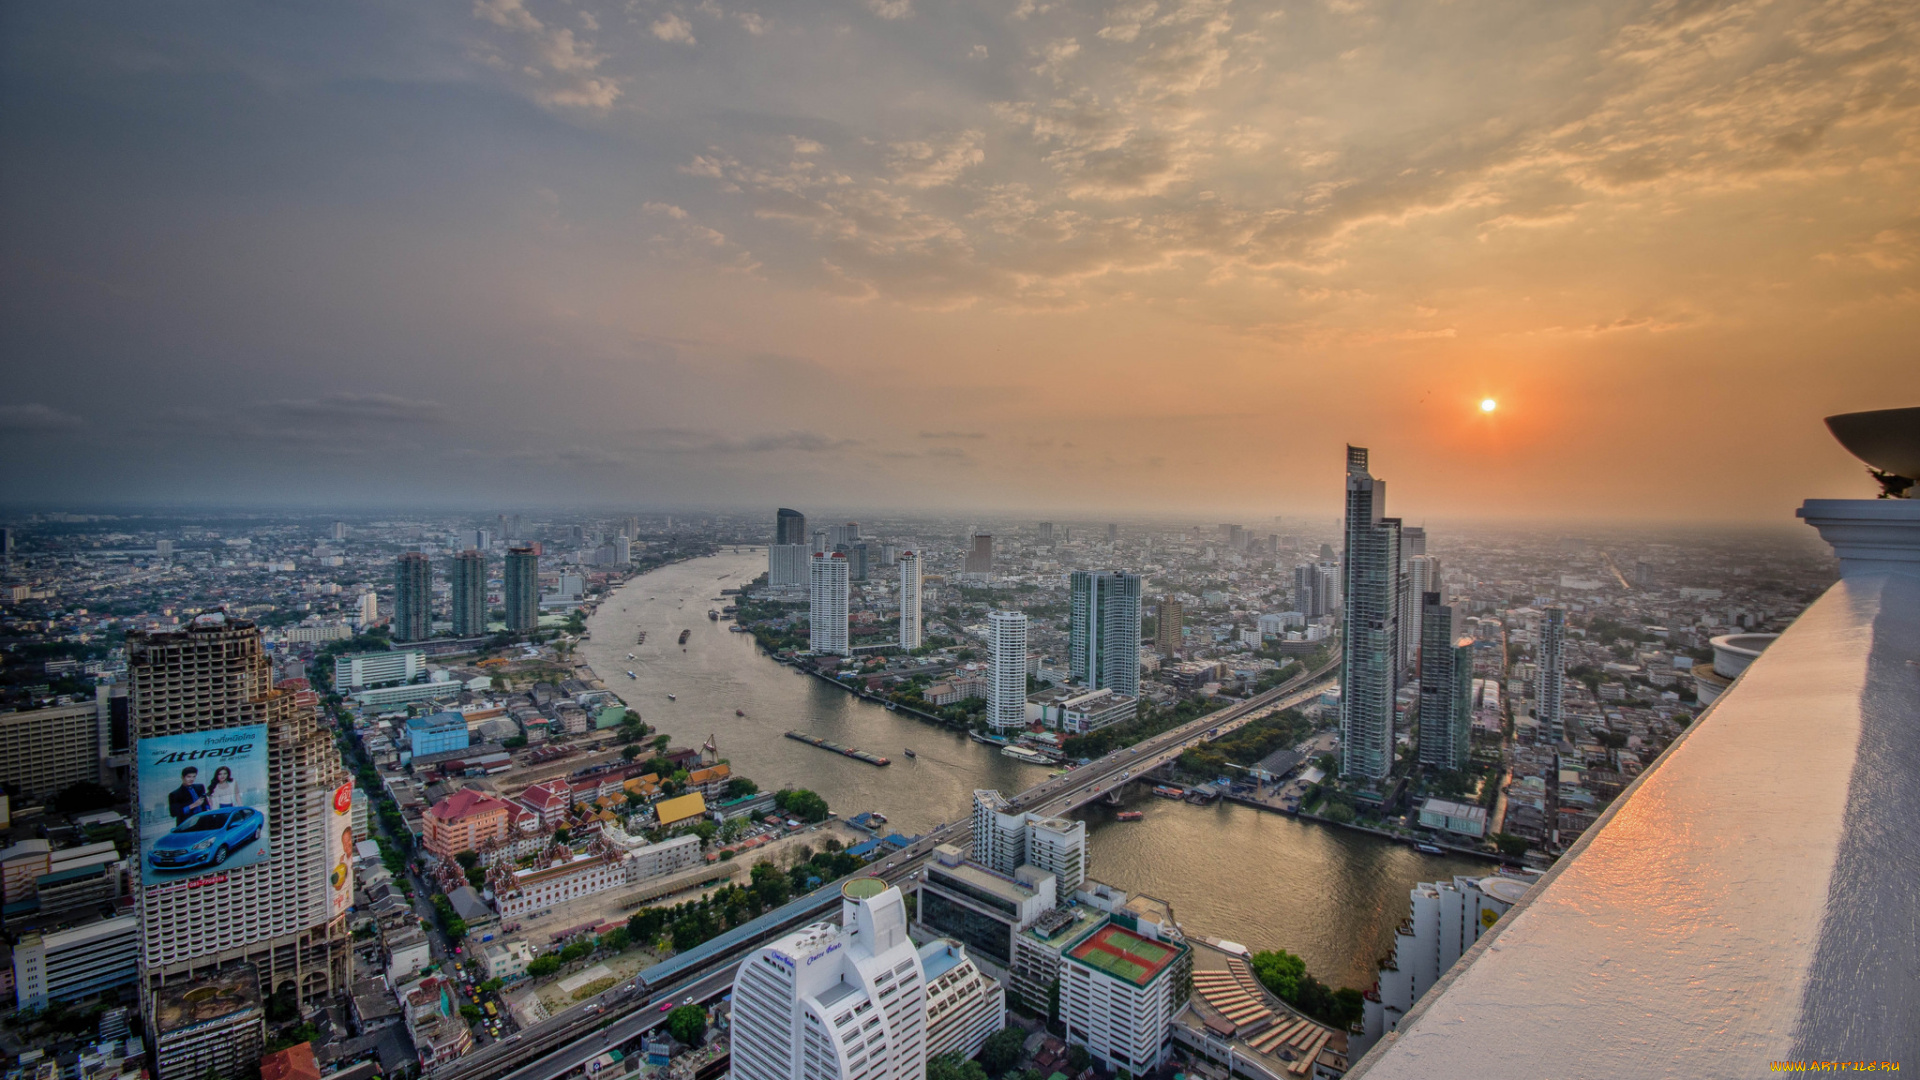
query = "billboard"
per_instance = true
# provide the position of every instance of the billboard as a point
(203, 802)
(340, 851)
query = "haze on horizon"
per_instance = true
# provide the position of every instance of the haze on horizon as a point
(1157, 256)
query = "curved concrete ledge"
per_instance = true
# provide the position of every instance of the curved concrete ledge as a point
(1749, 899)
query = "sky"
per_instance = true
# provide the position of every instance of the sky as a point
(1147, 256)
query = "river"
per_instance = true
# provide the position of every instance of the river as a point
(1266, 881)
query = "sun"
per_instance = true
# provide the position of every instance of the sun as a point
(1488, 404)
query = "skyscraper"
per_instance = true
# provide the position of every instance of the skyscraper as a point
(1308, 594)
(1370, 634)
(412, 597)
(1413, 541)
(1046, 532)
(522, 588)
(787, 564)
(277, 899)
(909, 601)
(1005, 839)
(1113, 534)
(980, 557)
(339, 531)
(842, 536)
(1007, 675)
(827, 589)
(832, 1001)
(1446, 687)
(1169, 625)
(469, 576)
(1551, 674)
(789, 527)
(1423, 577)
(1104, 630)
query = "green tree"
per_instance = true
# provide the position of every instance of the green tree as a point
(471, 1012)
(953, 1067)
(467, 859)
(630, 752)
(660, 744)
(1281, 973)
(1078, 1059)
(492, 986)
(687, 1024)
(1513, 847)
(740, 787)
(1002, 1051)
(802, 804)
(477, 878)
(615, 939)
(575, 951)
(542, 966)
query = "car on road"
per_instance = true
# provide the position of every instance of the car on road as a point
(665, 1005)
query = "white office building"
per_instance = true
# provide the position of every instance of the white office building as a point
(76, 962)
(964, 1004)
(846, 1002)
(1005, 840)
(362, 670)
(1007, 680)
(1104, 630)
(1119, 993)
(910, 634)
(827, 588)
(1445, 919)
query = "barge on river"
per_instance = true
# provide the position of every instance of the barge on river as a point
(844, 751)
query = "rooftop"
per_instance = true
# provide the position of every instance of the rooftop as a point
(1748, 900)
(1125, 955)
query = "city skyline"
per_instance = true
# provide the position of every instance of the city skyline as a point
(571, 254)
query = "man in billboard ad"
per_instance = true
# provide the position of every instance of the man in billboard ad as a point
(203, 802)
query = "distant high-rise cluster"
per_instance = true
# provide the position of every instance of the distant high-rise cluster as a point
(1007, 671)
(1104, 630)
(828, 590)
(1005, 840)
(910, 632)
(787, 555)
(1371, 644)
(412, 597)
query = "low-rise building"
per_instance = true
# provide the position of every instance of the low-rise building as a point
(1454, 817)
(505, 960)
(464, 821)
(210, 1025)
(439, 1033)
(77, 962)
(559, 876)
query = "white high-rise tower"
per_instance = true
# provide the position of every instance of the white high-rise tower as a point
(827, 587)
(909, 601)
(1007, 678)
(830, 1002)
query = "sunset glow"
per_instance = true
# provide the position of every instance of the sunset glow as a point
(1067, 254)
(1488, 404)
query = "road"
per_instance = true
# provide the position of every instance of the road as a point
(574, 1037)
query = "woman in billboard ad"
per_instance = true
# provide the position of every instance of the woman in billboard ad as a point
(203, 802)
(340, 851)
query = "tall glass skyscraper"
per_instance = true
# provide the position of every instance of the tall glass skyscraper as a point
(789, 527)
(1446, 688)
(1370, 634)
(412, 597)
(1104, 630)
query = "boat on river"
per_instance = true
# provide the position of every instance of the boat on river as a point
(990, 740)
(684, 635)
(910, 752)
(1022, 753)
(1429, 849)
(712, 614)
(1129, 815)
(845, 751)
(671, 697)
(739, 712)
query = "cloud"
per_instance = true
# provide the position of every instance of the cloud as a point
(923, 164)
(558, 67)
(36, 417)
(672, 27)
(953, 434)
(891, 9)
(358, 409)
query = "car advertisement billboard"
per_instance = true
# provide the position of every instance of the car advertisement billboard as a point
(340, 851)
(203, 802)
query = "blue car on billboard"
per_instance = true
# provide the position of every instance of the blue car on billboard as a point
(206, 839)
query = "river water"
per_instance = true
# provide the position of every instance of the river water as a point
(1267, 881)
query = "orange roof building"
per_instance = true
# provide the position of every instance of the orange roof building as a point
(294, 1063)
(463, 821)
